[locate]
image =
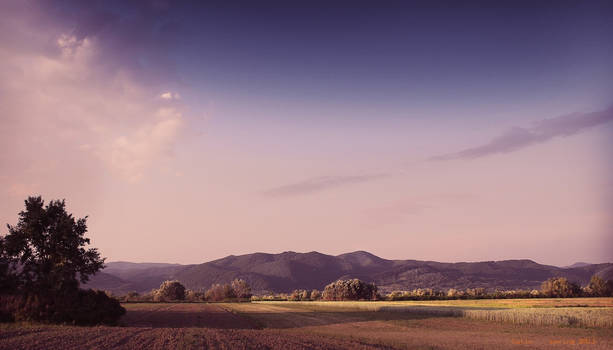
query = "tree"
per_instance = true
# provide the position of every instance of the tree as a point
(42, 261)
(45, 251)
(241, 289)
(560, 287)
(353, 289)
(598, 287)
(220, 292)
(315, 294)
(170, 291)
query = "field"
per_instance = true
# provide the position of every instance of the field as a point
(457, 324)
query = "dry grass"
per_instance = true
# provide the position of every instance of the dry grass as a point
(542, 312)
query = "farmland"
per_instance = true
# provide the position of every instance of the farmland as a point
(454, 324)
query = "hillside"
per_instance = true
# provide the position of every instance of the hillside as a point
(290, 270)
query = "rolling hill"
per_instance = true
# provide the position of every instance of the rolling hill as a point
(290, 270)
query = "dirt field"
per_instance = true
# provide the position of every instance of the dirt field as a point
(288, 325)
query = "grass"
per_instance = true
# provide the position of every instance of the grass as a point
(594, 312)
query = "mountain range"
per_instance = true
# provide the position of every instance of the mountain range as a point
(287, 271)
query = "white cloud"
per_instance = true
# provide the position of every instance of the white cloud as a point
(130, 155)
(63, 102)
(170, 96)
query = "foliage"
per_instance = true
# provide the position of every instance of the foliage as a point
(42, 261)
(598, 287)
(353, 289)
(80, 307)
(315, 294)
(560, 287)
(241, 289)
(299, 295)
(235, 291)
(170, 291)
(194, 296)
(45, 250)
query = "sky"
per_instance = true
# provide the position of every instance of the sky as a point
(438, 130)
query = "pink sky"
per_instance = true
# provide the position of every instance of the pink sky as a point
(169, 172)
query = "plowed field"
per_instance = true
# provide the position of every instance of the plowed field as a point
(287, 325)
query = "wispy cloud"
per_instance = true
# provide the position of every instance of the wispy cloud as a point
(517, 138)
(320, 184)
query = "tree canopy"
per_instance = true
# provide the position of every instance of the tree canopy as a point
(42, 260)
(46, 249)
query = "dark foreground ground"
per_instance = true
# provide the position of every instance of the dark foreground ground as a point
(297, 326)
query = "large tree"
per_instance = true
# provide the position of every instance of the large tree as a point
(46, 251)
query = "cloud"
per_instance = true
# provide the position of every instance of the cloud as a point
(170, 96)
(321, 183)
(130, 155)
(67, 107)
(517, 138)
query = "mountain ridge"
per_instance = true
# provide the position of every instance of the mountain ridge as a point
(283, 272)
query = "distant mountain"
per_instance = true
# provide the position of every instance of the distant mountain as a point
(577, 264)
(290, 270)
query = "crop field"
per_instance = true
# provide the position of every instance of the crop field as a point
(457, 324)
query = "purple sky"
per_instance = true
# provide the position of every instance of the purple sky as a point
(435, 131)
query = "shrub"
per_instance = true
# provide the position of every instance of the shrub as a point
(315, 294)
(296, 295)
(475, 293)
(170, 291)
(82, 307)
(132, 296)
(353, 289)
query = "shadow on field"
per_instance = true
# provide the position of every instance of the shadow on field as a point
(184, 315)
(216, 317)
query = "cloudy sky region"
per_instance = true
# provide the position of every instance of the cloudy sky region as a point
(189, 131)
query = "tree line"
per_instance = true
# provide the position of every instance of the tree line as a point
(555, 287)
(170, 291)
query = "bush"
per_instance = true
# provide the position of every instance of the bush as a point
(296, 295)
(132, 296)
(315, 294)
(83, 307)
(170, 291)
(353, 289)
